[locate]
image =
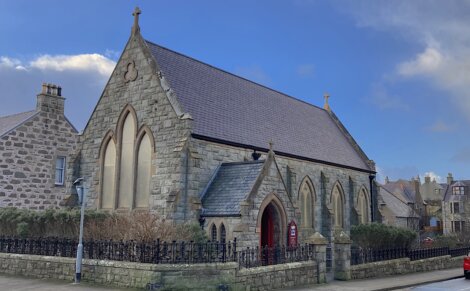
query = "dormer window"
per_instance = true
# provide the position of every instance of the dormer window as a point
(458, 190)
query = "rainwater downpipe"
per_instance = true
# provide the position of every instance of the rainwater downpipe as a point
(372, 200)
(186, 173)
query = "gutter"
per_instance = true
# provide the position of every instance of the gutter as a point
(265, 150)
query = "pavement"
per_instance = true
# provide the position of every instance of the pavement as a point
(390, 282)
(8, 282)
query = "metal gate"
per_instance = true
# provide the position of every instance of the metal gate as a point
(329, 258)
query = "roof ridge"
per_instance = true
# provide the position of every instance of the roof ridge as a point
(15, 114)
(393, 194)
(235, 75)
(243, 163)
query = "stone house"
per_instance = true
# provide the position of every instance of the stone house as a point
(35, 147)
(191, 142)
(456, 206)
(433, 194)
(396, 211)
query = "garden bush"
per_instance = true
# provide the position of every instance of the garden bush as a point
(381, 236)
(98, 225)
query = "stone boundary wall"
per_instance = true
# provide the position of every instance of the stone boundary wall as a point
(167, 277)
(403, 266)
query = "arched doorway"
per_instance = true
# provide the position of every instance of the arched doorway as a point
(271, 227)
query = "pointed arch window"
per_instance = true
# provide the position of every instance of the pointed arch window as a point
(127, 164)
(363, 206)
(144, 160)
(307, 198)
(127, 161)
(337, 199)
(223, 235)
(109, 171)
(213, 233)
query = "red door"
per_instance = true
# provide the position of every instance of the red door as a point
(267, 228)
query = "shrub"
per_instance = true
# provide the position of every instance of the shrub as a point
(139, 225)
(381, 236)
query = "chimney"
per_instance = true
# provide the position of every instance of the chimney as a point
(387, 180)
(450, 179)
(50, 99)
(427, 179)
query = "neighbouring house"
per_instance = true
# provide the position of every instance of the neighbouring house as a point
(409, 193)
(35, 150)
(192, 142)
(433, 193)
(456, 206)
(396, 210)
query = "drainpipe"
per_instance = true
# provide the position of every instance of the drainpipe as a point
(372, 200)
(186, 173)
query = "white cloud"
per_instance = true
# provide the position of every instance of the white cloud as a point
(424, 63)
(434, 176)
(82, 78)
(441, 28)
(82, 62)
(7, 62)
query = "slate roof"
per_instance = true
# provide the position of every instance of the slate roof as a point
(230, 185)
(10, 122)
(395, 204)
(448, 196)
(402, 189)
(229, 108)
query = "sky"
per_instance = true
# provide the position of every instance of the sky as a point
(398, 72)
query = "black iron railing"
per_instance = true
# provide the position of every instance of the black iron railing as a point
(155, 252)
(158, 252)
(255, 257)
(459, 252)
(363, 256)
(419, 254)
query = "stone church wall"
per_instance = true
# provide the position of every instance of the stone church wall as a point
(146, 96)
(212, 154)
(28, 160)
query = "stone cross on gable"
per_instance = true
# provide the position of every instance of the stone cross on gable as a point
(136, 14)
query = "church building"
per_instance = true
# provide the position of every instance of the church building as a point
(194, 143)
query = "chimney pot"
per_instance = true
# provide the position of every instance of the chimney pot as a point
(59, 91)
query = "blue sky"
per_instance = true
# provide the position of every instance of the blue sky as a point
(397, 71)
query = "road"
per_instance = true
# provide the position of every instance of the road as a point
(450, 285)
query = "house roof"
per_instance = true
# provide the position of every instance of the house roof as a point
(451, 197)
(231, 184)
(10, 122)
(402, 189)
(231, 109)
(396, 205)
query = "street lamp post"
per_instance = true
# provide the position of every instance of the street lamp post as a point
(81, 199)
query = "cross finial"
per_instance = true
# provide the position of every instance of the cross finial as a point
(271, 143)
(326, 105)
(136, 13)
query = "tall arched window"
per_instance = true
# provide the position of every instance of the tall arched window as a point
(223, 235)
(363, 207)
(127, 162)
(109, 171)
(213, 233)
(144, 160)
(307, 198)
(337, 200)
